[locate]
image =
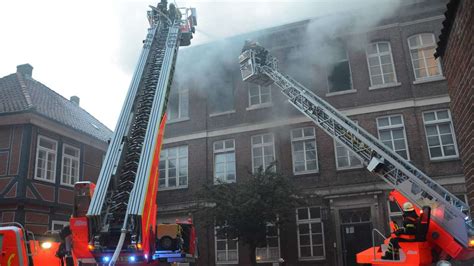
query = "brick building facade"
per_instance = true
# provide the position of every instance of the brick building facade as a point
(457, 55)
(47, 143)
(221, 127)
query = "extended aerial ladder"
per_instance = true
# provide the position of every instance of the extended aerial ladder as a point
(120, 224)
(451, 231)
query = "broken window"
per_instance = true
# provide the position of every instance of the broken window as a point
(339, 72)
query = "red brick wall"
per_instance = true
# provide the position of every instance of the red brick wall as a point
(458, 62)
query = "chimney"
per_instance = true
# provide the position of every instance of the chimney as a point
(75, 100)
(25, 69)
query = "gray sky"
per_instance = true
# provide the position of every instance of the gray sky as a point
(89, 48)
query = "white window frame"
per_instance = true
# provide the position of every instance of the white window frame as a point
(378, 55)
(391, 127)
(259, 104)
(227, 261)
(167, 158)
(261, 146)
(57, 222)
(309, 221)
(423, 46)
(304, 139)
(72, 158)
(183, 95)
(437, 122)
(48, 151)
(349, 155)
(224, 151)
(267, 247)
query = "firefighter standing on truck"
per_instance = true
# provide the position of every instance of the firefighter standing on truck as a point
(410, 221)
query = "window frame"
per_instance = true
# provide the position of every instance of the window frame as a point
(224, 151)
(259, 104)
(348, 153)
(437, 122)
(267, 247)
(227, 261)
(378, 55)
(78, 158)
(304, 139)
(424, 47)
(58, 222)
(167, 187)
(390, 128)
(181, 93)
(47, 150)
(309, 221)
(262, 146)
(329, 71)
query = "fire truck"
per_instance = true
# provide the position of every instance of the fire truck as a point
(114, 221)
(444, 230)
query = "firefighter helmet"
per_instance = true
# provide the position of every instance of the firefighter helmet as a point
(407, 206)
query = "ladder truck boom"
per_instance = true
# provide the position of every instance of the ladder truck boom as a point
(121, 216)
(448, 212)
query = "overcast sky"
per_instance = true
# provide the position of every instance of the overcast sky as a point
(89, 48)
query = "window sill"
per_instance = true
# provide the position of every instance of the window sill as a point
(45, 180)
(223, 182)
(340, 92)
(305, 173)
(171, 188)
(430, 79)
(222, 113)
(177, 120)
(444, 159)
(259, 106)
(67, 185)
(349, 168)
(384, 86)
(227, 262)
(311, 258)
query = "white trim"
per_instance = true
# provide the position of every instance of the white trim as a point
(391, 127)
(222, 113)
(224, 151)
(262, 145)
(267, 248)
(348, 153)
(329, 94)
(429, 79)
(366, 109)
(303, 139)
(422, 47)
(226, 250)
(259, 106)
(378, 55)
(182, 119)
(385, 86)
(55, 152)
(256, 106)
(78, 158)
(309, 221)
(436, 123)
(177, 166)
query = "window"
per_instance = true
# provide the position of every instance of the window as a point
(345, 158)
(422, 49)
(395, 212)
(339, 78)
(310, 233)
(259, 95)
(303, 148)
(57, 226)
(440, 134)
(263, 151)
(227, 250)
(70, 165)
(271, 250)
(221, 98)
(224, 161)
(174, 167)
(391, 131)
(46, 151)
(178, 104)
(380, 61)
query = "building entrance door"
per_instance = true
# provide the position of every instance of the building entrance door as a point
(356, 228)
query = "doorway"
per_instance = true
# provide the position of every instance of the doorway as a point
(356, 232)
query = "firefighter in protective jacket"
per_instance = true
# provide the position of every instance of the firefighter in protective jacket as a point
(410, 221)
